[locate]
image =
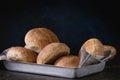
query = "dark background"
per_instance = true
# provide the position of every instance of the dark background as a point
(73, 21)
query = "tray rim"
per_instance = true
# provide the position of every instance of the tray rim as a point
(48, 65)
(74, 72)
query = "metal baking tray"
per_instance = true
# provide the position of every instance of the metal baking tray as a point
(51, 70)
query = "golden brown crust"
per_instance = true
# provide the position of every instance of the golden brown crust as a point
(21, 54)
(39, 38)
(33, 48)
(113, 50)
(94, 47)
(51, 52)
(69, 61)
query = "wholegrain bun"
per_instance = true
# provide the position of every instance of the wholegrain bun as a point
(37, 38)
(94, 47)
(52, 52)
(112, 49)
(21, 54)
(69, 61)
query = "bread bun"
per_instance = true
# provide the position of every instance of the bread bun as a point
(21, 54)
(69, 61)
(37, 38)
(52, 52)
(94, 47)
(110, 48)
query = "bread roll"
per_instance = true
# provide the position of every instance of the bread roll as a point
(52, 52)
(110, 48)
(21, 54)
(94, 47)
(69, 61)
(37, 38)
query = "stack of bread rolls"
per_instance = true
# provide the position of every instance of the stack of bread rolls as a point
(42, 46)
